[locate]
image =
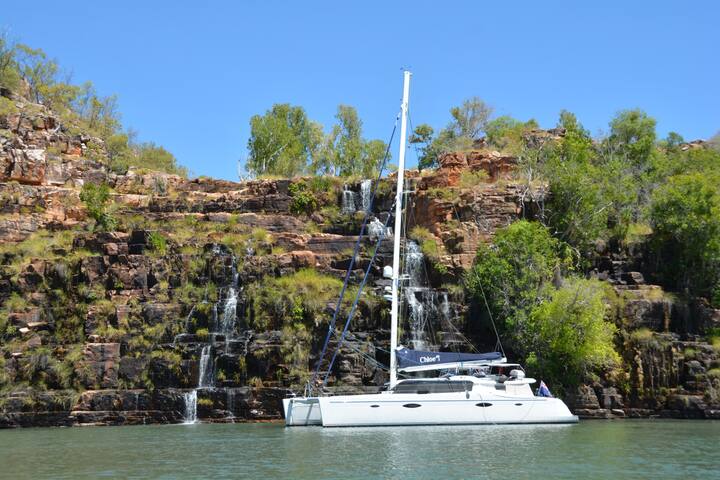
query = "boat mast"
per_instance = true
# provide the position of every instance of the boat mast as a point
(395, 313)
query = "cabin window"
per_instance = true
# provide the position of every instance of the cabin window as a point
(425, 386)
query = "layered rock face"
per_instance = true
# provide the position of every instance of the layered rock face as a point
(212, 298)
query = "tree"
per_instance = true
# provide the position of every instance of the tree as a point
(504, 133)
(36, 69)
(470, 119)
(344, 151)
(155, 157)
(514, 273)
(9, 76)
(423, 136)
(577, 209)
(373, 153)
(348, 141)
(279, 141)
(685, 216)
(632, 134)
(569, 335)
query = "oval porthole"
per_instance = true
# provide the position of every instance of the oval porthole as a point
(483, 404)
(374, 406)
(518, 404)
(412, 405)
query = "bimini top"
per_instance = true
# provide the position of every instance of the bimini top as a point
(417, 360)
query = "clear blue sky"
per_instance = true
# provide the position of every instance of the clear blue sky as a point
(189, 76)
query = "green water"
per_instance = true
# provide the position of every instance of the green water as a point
(592, 449)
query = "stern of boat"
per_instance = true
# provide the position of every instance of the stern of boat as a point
(302, 411)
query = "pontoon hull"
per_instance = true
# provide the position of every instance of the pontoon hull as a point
(302, 411)
(440, 409)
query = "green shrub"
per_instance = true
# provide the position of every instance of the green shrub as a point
(157, 243)
(303, 200)
(96, 197)
(568, 334)
(202, 334)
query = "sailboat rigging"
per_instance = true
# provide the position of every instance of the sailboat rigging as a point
(476, 388)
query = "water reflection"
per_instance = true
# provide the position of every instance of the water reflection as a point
(621, 449)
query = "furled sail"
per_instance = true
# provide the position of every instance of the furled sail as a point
(416, 360)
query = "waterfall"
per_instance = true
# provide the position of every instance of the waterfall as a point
(414, 263)
(223, 322)
(417, 296)
(227, 322)
(190, 407)
(230, 402)
(375, 228)
(348, 201)
(207, 374)
(365, 192)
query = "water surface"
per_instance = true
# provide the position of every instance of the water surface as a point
(592, 449)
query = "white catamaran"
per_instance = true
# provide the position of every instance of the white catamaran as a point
(484, 388)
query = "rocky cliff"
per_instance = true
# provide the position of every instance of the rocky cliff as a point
(210, 299)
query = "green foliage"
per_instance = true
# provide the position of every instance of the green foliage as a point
(344, 151)
(632, 134)
(423, 136)
(80, 108)
(468, 121)
(515, 273)
(560, 328)
(685, 215)
(577, 211)
(281, 141)
(36, 69)
(96, 198)
(300, 297)
(9, 75)
(157, 242)
(303, 199)
(568, 335)
(156, 157)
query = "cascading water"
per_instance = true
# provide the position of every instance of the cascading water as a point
(375, 228)
(229, 315)
(365, 193)
(348, 201)
(224, 321)
(190, 407)
(207, 370)
(417, 295)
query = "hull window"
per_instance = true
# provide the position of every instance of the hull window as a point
(374, 406)
(483, 404)
(412, 405)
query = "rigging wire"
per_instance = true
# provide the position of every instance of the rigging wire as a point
(487, 306)
(333, 322)
(357, 299)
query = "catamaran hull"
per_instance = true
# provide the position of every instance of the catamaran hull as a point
(453, 409)
(302, 411)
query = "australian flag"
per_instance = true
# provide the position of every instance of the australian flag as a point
(543, 390)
